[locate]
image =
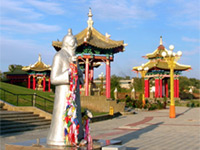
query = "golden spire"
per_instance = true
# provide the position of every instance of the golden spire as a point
(161, 43)
(90, 21)
(39, 58)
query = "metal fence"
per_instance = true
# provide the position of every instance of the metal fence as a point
(27, 100)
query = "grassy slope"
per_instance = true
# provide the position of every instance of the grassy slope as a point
(22, 90)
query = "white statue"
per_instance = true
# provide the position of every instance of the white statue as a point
(60, 78)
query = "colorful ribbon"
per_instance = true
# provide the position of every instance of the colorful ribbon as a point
(71, 123)
(86, 120)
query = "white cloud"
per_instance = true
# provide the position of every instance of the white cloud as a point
(18, 9)
(24, 27)
(152, 2)
(47, 6)
(195, 51)
(185, 13)
(186, 39)
(30, 8)
(120, 10)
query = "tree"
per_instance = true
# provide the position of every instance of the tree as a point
(1, 75)
(137, 84)
(195, 82)
(115, 82)
(184, 83)
(12, 67)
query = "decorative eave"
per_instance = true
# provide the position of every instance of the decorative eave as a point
(162, 65)
(94, 38)
(38, 66)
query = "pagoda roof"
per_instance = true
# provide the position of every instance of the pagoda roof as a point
(162, 65)
(94, 38)
(157, 62)
(38, 66)
(158, 52)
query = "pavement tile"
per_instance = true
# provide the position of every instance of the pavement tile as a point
(146, 130)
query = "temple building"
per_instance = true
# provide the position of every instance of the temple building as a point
(38, 75)
(17, 76)
(93, 48)
(157, 70)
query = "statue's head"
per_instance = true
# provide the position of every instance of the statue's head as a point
(69, 41)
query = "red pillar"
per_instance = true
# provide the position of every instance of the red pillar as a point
(33, 82)
(44, 83)
(177, 82)
(146, 88)
(92, 74)
(49, 85)
(166, 88)
(87, 77)
(108, 78)
(175, 88)
(156, 87)
(29, 81)
(160, 87)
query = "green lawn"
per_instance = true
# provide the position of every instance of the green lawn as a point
(26, 100)
(21, 96)
(22, 90)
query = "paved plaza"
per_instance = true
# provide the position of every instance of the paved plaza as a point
(146, 130)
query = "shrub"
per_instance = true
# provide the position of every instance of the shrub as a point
(153, 106)
(140, 96)
(193, 104)
(138, 104)
(165, 102)
(184, 95)
(159, 105)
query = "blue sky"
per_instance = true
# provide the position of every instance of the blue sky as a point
(28, 27)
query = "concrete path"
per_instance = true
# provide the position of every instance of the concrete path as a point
(146, 130)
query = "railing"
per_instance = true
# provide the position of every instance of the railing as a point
(27, 100)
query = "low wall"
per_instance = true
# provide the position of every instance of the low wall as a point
(101, 104)
(35, 110)
(95, 103)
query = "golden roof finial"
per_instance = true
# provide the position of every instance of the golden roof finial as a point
(90, 21)
(39, 58)
(161, 43)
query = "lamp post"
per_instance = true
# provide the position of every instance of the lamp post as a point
(170, 57)
(101, 76)
(143, 71)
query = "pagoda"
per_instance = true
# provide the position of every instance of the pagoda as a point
(94, 47)
(158, 70)
(39, 72)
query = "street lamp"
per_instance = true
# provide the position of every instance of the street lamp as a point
(143, 71)
(101, 76)
(170, 57)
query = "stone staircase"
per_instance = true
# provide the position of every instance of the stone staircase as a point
(1, 107)
(12, 121)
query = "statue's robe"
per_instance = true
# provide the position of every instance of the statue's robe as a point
(60, 78)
